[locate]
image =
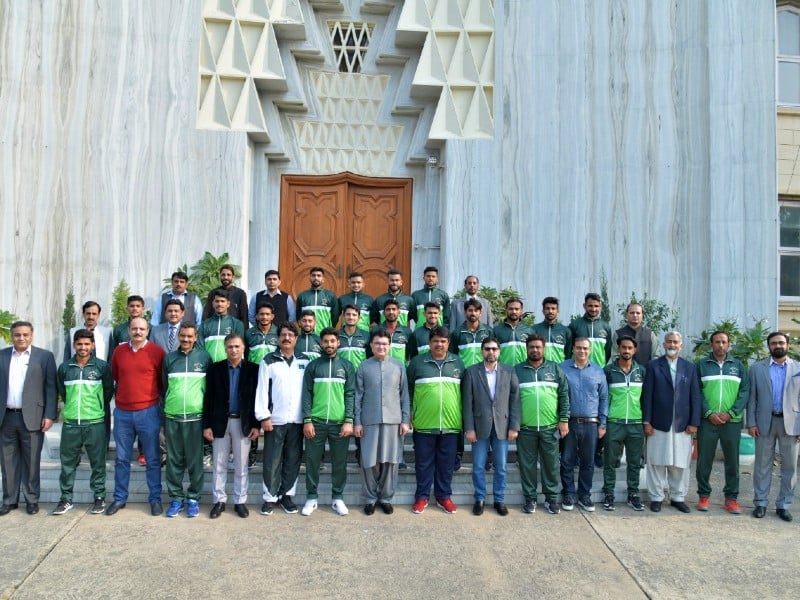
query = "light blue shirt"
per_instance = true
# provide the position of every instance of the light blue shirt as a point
(777, 373)
(233, 387)
(588, 390)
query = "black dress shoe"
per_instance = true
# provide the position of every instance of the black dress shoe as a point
(114, 507)
(387, 507)
(6, 508)
(156, 509)
(501, 508)
(217, 510)
(655, 506)
(241, 510)
(784, 515)
(477, 508)
(759, 512)
(681, 506)
(369, 509)
(32, 508)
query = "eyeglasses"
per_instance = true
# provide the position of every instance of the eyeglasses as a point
(492, 349)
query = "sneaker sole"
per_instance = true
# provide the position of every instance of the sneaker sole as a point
(63, 512)
(97, 512)
(568, 508)
(445, 510)
(587, 508)
(609, 508)
(639, 509)
(288, 511)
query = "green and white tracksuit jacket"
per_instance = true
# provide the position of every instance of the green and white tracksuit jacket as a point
(406, 303)
(598, 333)
(436, 393)
(725, 387)
(431, 294)
(543, 395)
(558, 340)
(329, 390)
(512, 342)
(185, 383)
(212, 332)
(353, 347)
(259, 344)
(468, 343)
(364, 304)
(624, 392)
(323, 303)
(85, 390)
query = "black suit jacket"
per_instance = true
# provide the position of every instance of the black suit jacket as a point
(215, 402)
(478, 410)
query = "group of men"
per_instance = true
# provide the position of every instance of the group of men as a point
(570, 396)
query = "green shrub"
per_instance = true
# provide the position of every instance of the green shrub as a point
(68, 319)
(658, 316)
(204, 274)
(6, 319)
(748, 345)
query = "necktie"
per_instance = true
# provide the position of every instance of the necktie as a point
(171, 342)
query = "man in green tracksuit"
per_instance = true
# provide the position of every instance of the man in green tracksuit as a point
(329, 391)
(359, 299)
(512, 334)
(262, 338)
(544, 399)
(726, 387)
(625, 378)
(405, 303)
(213, 330)
(86, 386)
(469, 335)
(398, 335)
(353, 341)
(308, 342)
(434, 383)
(323, 303)
(595, 329)
(431, 293)
(184, 375)
(419, 342)
(558, 337)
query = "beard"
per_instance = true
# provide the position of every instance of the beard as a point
(671, 352)
(778, 353)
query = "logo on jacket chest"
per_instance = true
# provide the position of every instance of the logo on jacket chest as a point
(549, 377)
(198, 367)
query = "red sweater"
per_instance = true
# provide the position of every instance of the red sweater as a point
(138, 375)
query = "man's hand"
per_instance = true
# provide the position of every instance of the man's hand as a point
(266, 425)
(404, 428)
(512, 435)
(601, 432)
(753, 431)
(563, 429)
(470, 436)
(46, 424)
(346, 430)
(648, 429)
(691, 429)
(358, 431)
(208, 434)
(254, 432)
(308, 431)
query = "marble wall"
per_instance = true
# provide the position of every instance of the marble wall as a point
(102, 172)
(633, 137)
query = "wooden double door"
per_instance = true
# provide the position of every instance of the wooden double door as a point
(344, 223)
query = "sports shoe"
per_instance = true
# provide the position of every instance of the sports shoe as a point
(251, 460)
(586, 504)
(568, 503)
(732, 506)
(309, 507)
(529, 507)
(99, 506)
(207, 460)
(704, 504)
(174, 508)
(634, 502)
(63, 506)
(142, 459)
(340, 507)
(266, 508)
(192, 508)
(552, 507)
(289, 507)
(447, 506)
(419, 505)
(608, 502)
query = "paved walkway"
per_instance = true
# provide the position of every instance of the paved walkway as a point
(600, 555)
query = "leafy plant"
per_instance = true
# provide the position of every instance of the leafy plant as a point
(6, 319)
(68, 319)
(658, 316)
(605, 309)
(204, 274)
(497, 301)
(748, 345)
(119, 303)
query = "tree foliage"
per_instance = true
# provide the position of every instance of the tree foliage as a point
(6, 319)
(68, 319)
(747, 344)
(204, 274)
(658, 316)
(119, 303)
(497, 301)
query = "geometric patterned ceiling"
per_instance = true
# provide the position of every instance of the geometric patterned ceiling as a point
(240, 62)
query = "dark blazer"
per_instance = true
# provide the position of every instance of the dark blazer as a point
(159, 335)
(215, 402)
(477, 408)
(39, 391)
(659, 396)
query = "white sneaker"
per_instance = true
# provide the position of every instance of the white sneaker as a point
(340, 507)
(309, 507)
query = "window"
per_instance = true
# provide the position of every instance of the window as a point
(788, 56)
(790, 250)
(350, 42)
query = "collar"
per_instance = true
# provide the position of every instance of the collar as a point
(26, 352)
(146, 341)
(772, 362)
